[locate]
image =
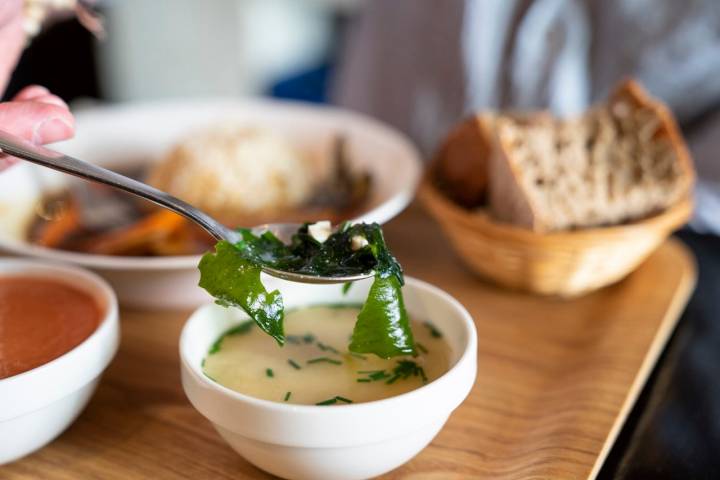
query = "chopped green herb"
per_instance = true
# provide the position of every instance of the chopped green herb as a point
(326, 360)
(211, 378)
(217, 344)
(403, 370)
(287, 396)
(334, 400)
(269, 372)
(202, 364)
(241, 329)
(298, 339)
(374, 375)
(232, 275)
(434, 332)
(378, 375)
(421, 347)
(357, 355)
(406, 369)
(294, 364)
(339, 306)
(326, 348)
(346, 287)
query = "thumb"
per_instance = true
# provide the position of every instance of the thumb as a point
(37, 122)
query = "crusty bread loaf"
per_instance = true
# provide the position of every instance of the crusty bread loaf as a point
(621, 161)
(460, 166)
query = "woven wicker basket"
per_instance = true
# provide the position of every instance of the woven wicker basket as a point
(563, 263)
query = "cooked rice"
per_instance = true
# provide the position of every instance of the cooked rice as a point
(231, 171)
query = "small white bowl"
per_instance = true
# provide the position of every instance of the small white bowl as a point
(137, 134)
(37, 405)
(340, 442)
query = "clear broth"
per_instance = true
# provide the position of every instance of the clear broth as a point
(315, 367)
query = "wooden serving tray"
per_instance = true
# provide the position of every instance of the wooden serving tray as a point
(556, 380)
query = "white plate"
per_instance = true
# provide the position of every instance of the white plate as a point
(111, 135)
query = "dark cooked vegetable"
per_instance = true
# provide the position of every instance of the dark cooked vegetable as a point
(232, 275)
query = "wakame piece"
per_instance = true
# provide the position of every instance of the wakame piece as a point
(232, 275)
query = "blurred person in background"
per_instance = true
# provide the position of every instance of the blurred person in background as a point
(33, 113)
(422, 66)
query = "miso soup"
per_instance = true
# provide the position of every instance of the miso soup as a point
(314, 367)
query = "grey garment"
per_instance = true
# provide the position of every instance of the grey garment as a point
(421, 65)
(403, 65)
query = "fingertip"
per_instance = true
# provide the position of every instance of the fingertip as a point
(31, 92)
(51, 100)
(56, 123)
(52, 130)
(37, 121)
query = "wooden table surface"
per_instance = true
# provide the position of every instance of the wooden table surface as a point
(555, 381)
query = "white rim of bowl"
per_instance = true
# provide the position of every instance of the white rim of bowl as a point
(469, 351)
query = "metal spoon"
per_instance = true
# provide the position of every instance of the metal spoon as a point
(21, 148)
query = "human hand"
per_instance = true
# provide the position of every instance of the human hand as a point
(34, 114)
(12, 38)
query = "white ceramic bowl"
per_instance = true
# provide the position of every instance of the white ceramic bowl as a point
(138, 133)
(341, 442)
(37, 405)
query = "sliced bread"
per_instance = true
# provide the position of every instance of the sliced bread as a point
(621, 161)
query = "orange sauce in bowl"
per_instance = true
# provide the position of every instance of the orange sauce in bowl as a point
(40, 320)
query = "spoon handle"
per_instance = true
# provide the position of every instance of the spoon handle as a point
(21, 148)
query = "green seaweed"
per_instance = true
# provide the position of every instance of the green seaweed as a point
(235, 281)
(232, 275)
(383, 327)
